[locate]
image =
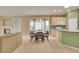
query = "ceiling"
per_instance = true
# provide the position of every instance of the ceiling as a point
(34, 10)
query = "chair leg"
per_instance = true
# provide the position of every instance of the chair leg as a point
(31, 38)
(36, 40)
(43, 39)
(47, 39)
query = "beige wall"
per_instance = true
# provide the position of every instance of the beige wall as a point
(25, 22)
(25, 25)
(9, 22)
(1, 30)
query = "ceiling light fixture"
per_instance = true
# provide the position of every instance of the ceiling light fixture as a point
(66, 6)
(60, 10)
(55, 10)
(37, 19)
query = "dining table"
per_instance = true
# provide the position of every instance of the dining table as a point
(38, 35)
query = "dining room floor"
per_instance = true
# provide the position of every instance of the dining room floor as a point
(52, 46)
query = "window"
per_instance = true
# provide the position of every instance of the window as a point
(39, 25)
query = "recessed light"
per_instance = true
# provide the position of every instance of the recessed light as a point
(37, 19)
(55, 10)
(40, 20)
(60, 10)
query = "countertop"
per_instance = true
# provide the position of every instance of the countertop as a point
(66, 30)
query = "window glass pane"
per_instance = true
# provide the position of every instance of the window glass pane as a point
(38, 26)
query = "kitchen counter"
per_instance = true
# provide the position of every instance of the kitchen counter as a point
(10, 42)
(69, 37)
(9, 35)
(65, 30)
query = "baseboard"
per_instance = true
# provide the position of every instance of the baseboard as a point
(69, 46)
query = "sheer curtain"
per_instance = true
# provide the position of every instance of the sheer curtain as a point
(41, 25)
(31, 25)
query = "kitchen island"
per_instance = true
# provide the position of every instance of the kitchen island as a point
(69, 37)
